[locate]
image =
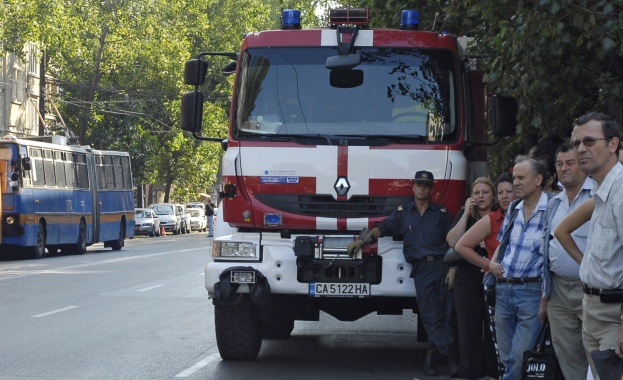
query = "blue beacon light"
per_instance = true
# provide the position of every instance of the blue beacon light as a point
(410, 20)
(291, 19)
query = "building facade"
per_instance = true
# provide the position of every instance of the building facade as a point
(20, 93)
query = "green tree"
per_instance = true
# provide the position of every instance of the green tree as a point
(559, 58)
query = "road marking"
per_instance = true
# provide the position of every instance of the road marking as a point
(199, 365)
(150, 288)
(54, 311)
(116, 260)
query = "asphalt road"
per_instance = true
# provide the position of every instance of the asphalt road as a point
(143, 313)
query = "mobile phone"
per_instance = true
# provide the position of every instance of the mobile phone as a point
(611, 296)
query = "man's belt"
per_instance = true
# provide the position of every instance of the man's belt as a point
(591, 291)
(429, 258)
(605, 295)
(518, 280)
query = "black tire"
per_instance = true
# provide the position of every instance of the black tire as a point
(116, 245)
(238, 329)
(277, 320)
(81, 245)
(38, 251)
(176, 231)
(152, 233)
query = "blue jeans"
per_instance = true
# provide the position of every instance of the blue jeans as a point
(211, 224)
(517, 323)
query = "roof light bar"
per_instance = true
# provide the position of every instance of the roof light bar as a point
(410, 20)
(352, 16)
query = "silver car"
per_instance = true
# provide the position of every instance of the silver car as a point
(169, 217)
(146, 222)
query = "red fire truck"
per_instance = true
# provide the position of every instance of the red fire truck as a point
(327, 129)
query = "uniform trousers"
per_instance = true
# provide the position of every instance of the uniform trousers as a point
(433, 302)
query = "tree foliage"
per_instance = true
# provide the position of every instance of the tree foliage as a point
(119, 64)
(559, 58)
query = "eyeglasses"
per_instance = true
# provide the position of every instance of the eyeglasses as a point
(587, 141)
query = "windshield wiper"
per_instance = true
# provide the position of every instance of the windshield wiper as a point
(290, 137)
(397, 138)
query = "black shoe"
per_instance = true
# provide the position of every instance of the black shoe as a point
(453, 367)
(429, 363)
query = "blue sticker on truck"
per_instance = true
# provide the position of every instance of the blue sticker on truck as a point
(279, 179)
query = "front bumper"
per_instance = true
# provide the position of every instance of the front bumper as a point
(145, 229)
(389, 278)
(168, 227)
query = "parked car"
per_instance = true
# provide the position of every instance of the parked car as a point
(185, 218)
(169, 217)
(198, 220)
(146, 222)
(195, 205)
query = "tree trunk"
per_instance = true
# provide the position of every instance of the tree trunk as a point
(84, 119)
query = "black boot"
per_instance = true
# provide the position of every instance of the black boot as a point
(429, 363)
(453, 366)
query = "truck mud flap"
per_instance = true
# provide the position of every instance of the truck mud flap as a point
(225, 290)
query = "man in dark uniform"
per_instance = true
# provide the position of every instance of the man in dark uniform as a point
(423, 226)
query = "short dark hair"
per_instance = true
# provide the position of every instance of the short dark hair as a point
(504, 177)
(564, 148)
(609, 126)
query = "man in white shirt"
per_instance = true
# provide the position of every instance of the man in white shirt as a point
(597, 137)
(562, 294)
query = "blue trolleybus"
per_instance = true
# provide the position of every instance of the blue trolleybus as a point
(63, 197)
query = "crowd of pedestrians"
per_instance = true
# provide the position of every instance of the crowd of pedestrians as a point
(561, 262)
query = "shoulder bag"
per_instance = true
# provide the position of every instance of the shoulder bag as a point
(541, 363)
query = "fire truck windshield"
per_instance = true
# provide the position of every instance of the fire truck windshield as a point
(401, 93)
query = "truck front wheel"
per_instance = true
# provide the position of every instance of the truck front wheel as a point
(277, 320)
(238, 329)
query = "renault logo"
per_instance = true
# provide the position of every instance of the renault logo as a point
(341, 186)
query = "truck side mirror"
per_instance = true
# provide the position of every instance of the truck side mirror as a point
(504, 116)
(230, 68)
(195, 71)
(192, 111)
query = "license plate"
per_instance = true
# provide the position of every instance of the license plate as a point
(334, 289)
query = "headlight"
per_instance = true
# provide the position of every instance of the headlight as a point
(10, 220)
(226, 250)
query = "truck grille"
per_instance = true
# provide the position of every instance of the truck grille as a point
(328, 207)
